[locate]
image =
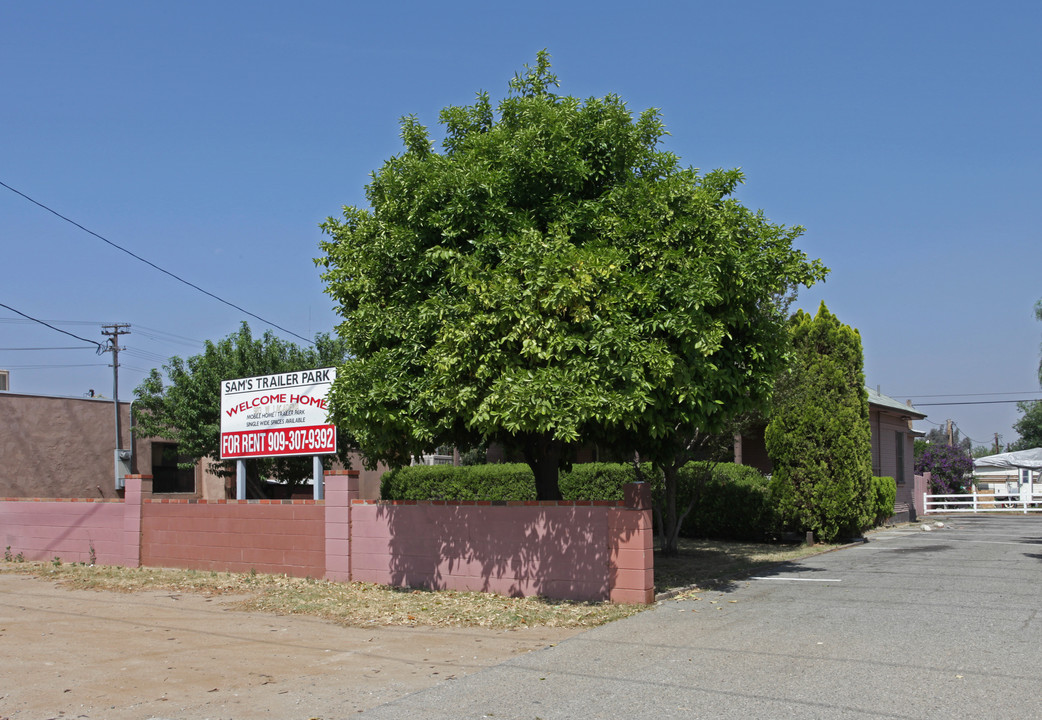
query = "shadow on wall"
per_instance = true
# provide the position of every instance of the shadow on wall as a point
(561, 551)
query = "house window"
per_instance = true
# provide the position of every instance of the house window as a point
(899, 442)
(167, 477)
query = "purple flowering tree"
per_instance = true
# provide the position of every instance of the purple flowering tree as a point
(950, 468)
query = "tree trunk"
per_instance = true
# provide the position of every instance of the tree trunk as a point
(670, 520)
(670, 526)
(543, 455)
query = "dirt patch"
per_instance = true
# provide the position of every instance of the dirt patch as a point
(90, 654)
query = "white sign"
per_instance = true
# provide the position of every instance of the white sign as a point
(282, 414)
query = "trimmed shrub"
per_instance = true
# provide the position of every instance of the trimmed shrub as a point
(818, 437)
(735, 503)
(599, 481)
(502, 481)
(883, 494)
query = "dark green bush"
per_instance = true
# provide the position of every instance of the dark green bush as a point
(818, 437)
(599, 481)
(733, 504)
(503, 481)
(883, 494)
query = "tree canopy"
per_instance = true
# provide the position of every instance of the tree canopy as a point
(950, 468)
(1038, 316)
(1028, 426)
(187, 408)
(551, 277)
(939, 436)
(818, 438)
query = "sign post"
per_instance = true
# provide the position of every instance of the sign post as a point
(277, 416)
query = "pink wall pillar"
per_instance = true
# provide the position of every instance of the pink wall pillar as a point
(921, 486)
(632, 572)
(138, 487)
(342, 486)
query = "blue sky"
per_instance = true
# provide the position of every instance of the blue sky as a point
(213, 138)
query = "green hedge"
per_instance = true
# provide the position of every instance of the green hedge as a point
(600, 481)
(734, 504)
(503, 481)
(883, 493)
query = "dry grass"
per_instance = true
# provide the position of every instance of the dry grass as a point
(700, 564)
(349, 604)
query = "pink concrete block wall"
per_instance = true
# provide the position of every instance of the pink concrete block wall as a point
(920, 485)
(582, 551)
(43, 530)
(342, 487)
(562, 550)
(237, 536)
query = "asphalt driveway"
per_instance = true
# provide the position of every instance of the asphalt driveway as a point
(912, 624)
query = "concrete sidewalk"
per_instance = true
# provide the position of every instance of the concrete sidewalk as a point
(910, 625)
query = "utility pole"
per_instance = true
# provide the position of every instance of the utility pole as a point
(112, 332)
(997, 450)
(949, 422)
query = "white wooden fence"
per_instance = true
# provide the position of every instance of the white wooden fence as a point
(1023, 502)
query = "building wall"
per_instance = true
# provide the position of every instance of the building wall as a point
(368, 480)
(62, 447)
(885, 428)
(750, 448)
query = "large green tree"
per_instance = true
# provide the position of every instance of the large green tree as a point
(186, 407)
(1038, 316)
(818, 438)
(1028, 426)
(551, 277)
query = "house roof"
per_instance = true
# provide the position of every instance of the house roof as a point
(884, 401)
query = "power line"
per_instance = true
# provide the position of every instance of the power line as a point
(163, 336)
(60, 322)
(64, 332)
(1024, 392)
(151, 333)
(975, 402)
(146, 355)
(47, 367)
(77, 347)
(153, 265)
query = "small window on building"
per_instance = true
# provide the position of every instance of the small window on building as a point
(899, 443)
(167, 477)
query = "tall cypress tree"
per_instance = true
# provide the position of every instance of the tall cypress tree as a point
(818, 437)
